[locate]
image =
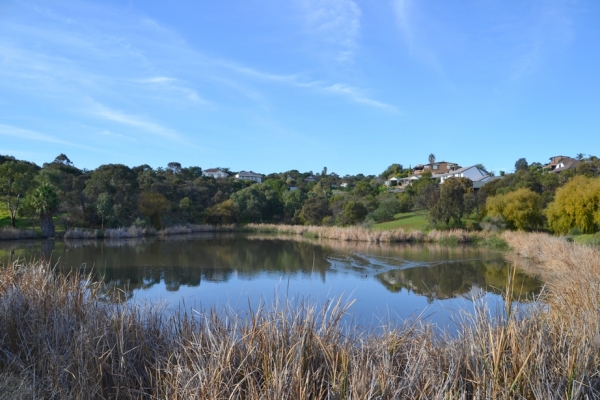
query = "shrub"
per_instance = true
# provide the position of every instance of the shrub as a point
(521, 208)
(576, 204)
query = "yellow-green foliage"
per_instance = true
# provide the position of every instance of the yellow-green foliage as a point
(521, 209)
(576, 204)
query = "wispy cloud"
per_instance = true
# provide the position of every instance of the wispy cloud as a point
(336, 22)
(174, 85)
(135, 121)
(355, 95)
(550, 26)
(341, 89)
(404, 11)
(26, 134)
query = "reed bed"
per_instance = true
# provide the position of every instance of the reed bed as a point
(58, 341)
(15, 234)
(131, 232)
(193, 228)
(360, 234)
(78, 233)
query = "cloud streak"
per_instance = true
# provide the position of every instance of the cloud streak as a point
(26, 134)
(141, 123)
(335, 22)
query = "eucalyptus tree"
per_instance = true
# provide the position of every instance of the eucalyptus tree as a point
(16, 178)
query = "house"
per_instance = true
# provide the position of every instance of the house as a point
(565, 164)
(477, 184)
(401, 183)
(473, 173)
(248, 176)
(554, 161)
(215, 173)
(310, 178)
(441, 167)
(344, 184)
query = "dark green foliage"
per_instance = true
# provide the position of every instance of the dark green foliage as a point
(250, 203)
(44, 200)
(120, 183)
(16, 179)
(315, 208)
(386, 210)
(451, 203)
(521, 164)
(354, 212)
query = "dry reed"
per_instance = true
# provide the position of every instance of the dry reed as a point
(78, 233)
(15, 234)
(58, 341)
(131, 232)
(357, 233)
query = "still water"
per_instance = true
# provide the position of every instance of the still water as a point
(238, 272)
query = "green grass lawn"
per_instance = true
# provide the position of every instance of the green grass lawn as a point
(412, 220)
(24, 223)
(591, 238)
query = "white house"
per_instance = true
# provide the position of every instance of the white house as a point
(214, 173)
(249, 176)
(473, 173)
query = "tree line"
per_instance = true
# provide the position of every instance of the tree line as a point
(115, 195)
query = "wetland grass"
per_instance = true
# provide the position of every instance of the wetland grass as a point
(57, 340)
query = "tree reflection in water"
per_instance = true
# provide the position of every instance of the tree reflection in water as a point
(125, 266)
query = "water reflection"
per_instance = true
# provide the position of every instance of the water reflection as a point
(126, 266)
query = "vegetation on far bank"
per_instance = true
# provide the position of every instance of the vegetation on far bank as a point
(80, 347)
(59, 197)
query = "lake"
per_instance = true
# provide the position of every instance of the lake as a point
(240, 271)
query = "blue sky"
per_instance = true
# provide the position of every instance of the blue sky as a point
(271, 85)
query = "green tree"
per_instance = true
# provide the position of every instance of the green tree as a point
(16, 178)
(521, 209)
(431, 158)
(576, 204)
(104, 207)
(315, 208)
(521, 164)
(153, 205)
(386, 210)
(392, 170)
(250, 202)
(121, 183)
(44, 199)
(451, 203)
(355, 212)
(292, 204)
(222, 213)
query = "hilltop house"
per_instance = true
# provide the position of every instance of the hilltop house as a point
(249, 176)
(442, 167)
(473, 173)
(215, 173)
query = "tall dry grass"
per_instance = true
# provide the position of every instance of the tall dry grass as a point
(126, 233)
(8, 233)
(357, 233)
(58, 341)
(78, 233)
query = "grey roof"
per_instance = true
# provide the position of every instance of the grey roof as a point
(249, 173)
(213, 170)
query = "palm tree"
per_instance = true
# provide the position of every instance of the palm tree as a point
(431, 158)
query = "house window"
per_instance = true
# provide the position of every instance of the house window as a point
(435, 166)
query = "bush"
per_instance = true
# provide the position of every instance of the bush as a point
(577, 204)
(520, 209)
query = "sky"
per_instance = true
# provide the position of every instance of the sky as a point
(273, 85)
